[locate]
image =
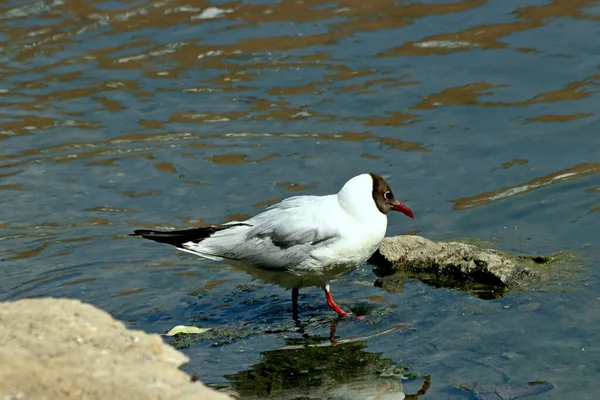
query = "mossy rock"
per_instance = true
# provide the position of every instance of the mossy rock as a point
(485, 272)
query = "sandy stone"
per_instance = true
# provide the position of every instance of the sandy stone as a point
(63, 349)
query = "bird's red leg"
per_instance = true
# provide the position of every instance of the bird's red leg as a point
(295, 292)
(332, 304)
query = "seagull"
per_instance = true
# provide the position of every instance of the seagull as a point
(301, 241)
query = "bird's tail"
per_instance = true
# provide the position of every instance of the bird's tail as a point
(179, 238)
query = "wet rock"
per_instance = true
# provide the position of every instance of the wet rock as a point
(451, 264)
(64, 349)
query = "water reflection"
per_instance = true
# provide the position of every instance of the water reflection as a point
(347, 18)
(124, 147)
(576, 172)
(311, 368)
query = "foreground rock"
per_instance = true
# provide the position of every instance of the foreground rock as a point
(64, 349)
(452, 264)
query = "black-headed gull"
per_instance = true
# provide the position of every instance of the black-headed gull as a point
(310, 239)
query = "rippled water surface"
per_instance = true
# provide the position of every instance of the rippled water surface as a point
(483, 115)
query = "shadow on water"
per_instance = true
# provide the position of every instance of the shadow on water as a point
(395, 284)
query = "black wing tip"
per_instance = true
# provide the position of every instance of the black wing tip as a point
(141, 232)
(174, 238)
(179, 237)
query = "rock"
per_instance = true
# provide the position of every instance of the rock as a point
(455, 263)
(63, 349)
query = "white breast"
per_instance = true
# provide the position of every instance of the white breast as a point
(358, 241)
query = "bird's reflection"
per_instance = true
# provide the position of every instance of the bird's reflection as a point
(311, 367)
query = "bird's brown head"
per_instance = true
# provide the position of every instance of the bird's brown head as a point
(384, 197)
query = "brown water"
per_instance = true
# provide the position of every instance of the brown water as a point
(483, 115)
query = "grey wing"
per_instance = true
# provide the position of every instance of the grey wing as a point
(294, 223)
(287, 234)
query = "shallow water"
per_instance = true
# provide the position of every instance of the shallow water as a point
(482, 115)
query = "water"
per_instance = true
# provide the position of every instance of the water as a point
(482, 115)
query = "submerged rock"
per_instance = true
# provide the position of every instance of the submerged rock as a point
(64, 349)
(511, 391)
(455, 264)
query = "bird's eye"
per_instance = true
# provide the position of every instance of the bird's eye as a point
(387, 195)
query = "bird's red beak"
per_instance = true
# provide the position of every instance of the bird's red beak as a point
(403, 209)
